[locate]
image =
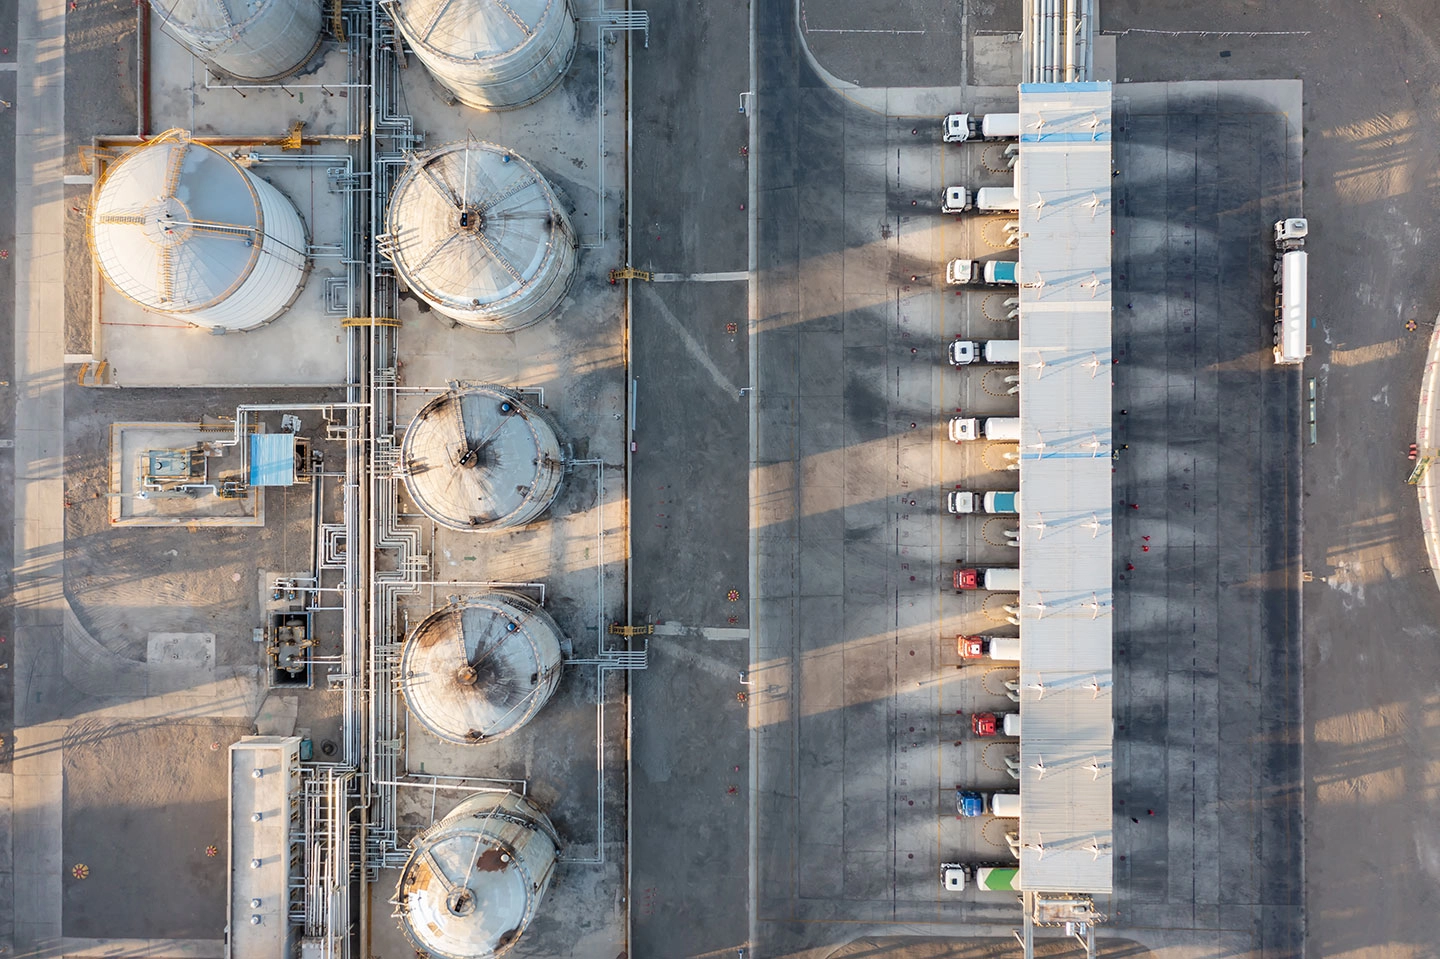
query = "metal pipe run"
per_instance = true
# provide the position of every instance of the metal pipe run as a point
(142, 68)
(459, 783)
(1033, 41)
(242, 416)
(1054, 64)
(615, 21)
(1070, 26)
(481, 584)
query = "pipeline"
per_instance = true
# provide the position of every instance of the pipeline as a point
(1070, 26)
(142, 68)
(1055, 48)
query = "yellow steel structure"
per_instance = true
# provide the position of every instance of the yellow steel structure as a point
(369, 321)
(630, 273)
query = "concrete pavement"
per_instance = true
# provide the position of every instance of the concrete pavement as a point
(689, 355)
(39, 484)
(1208, 729)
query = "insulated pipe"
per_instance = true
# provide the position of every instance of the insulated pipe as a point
(1055, 43)
(1041, 37)
(142, 68)
(1037, 38)
(1070, 41)
(1052, 29)
(1028, 33)
(1042, 28)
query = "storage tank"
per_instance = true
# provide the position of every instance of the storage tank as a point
(476, 232)
(492, 54)
(181, 229)
(480, 668)
(481, 458)
(475, 879)
(254, 40)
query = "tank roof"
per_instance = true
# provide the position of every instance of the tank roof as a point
(219, 17)
(481, 457)
(481, 668)
(473, 227)
(474, 29)
(176, 225)
(475, 879)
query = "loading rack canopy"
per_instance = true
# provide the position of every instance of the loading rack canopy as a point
(1063, 177)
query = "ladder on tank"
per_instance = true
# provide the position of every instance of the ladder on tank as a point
(623, 20)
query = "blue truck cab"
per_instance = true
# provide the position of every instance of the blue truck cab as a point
(969, 802)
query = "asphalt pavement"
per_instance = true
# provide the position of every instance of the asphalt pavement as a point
(1207, 535)
(7, 461)
(689, 501)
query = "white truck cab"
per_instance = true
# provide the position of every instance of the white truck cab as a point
(1289, 231)
(954, 876)
(955, 200)
(956, 128)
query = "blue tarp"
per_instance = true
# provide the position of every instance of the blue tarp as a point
(272, 459)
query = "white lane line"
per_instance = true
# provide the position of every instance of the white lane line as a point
(11, 66)
(701, 277)
(752, 341)
(723, 634)
(692, 345)
(844, 30)
(36, 826)
(696, 657)
(73, 948)
(79, 179)
(805, 25)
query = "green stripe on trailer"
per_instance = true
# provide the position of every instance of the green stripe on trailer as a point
(1004, 879)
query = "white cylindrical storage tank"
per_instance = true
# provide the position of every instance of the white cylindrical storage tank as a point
(492, 54)
(475, 879)
(254, 40)
(182, 229)
(480, 668)
(476, 232)
(481, 458)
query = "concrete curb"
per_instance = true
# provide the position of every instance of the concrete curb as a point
(1424, 439)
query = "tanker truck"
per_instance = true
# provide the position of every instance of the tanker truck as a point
(998, 579)
(965, 352)
(982, 273)
(968, 501)
(987, 199)
(971, 803)
(989, 877)
(1004, 428)
(1001, 649)
(976, 128)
